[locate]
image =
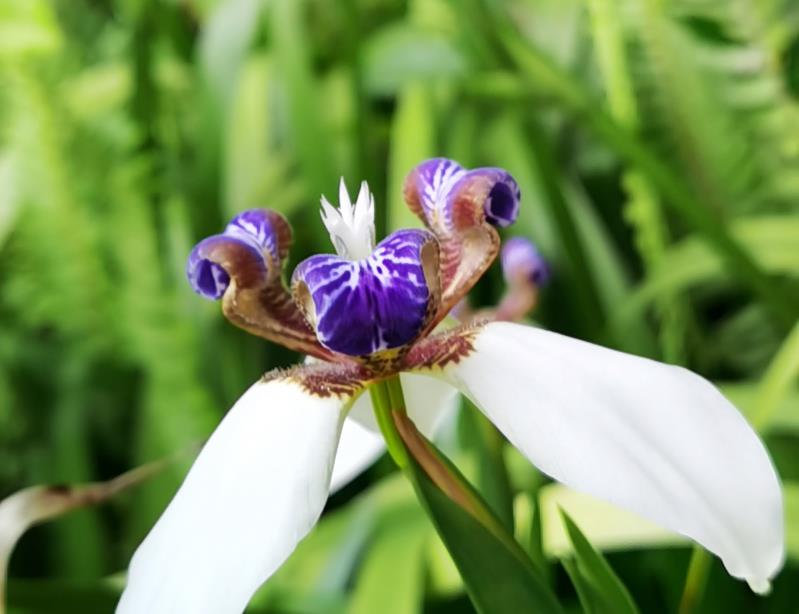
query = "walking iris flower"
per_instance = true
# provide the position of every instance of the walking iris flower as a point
(656, 439)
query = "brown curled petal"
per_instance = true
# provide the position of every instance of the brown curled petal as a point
(462, 208)
(244, 266)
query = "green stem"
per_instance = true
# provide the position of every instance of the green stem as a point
(387, 398)
(695, 580)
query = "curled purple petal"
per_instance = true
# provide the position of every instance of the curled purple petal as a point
(521, 261)
(365, 306)
(214, 260)
(449, 198)
(243, 266)
(248, 247)
(256, 225)
(209, 279)
(502, 205)
(431, 183)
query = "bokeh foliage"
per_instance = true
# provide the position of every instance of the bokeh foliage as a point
(656, 143)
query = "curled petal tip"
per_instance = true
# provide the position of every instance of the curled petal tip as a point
(207, 278)
(252, 244)
(448, 197)
(501, 207)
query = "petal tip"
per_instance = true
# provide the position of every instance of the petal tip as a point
(760, 586)
(207, 278)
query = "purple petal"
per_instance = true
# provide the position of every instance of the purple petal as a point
(447, 196)
(211, 259)
(434, 180)
(258, 226)
(522, 261)
(502, 205)
(369, 305)
(249, 244)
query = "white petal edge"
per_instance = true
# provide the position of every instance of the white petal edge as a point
(656, 439)
(429, 401)
(358, 448)
(256, 489)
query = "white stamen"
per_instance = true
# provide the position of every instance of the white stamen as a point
(351, 228)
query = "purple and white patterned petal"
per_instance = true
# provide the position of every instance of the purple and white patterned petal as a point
(260, 226)
(463, 209)
(448, 198)
(432, 182)
(243, 266)
(359, 307)
(523, 263)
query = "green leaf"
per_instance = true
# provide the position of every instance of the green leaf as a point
(491, 479)
(778, 379)
(574, 97)
(309, 131)
(791, 494)
(10, 198)
(28, 27)
(396, 552)
(598, 587)
(413, 134)
(401, 53)
(607, 526)
(47, 596)
(748, 396)
(693, 262)
(224, 41)
(499, 577)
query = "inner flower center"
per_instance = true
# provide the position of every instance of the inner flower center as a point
(351, 227)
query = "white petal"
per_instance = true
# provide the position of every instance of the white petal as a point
(358, 448)
(344, 203)
(255, 490)
(658, 440)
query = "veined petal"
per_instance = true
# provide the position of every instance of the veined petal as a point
(360, 307)
(256, 489)
(656, 439)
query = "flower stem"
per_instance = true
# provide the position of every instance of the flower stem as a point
(695, 581)
(387, 398)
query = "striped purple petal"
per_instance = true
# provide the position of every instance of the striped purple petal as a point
(243, 266)
(246, 249)
(360, 307)
(449, 198)
(463, 208)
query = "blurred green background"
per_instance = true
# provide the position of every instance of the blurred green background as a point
(656, 143)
